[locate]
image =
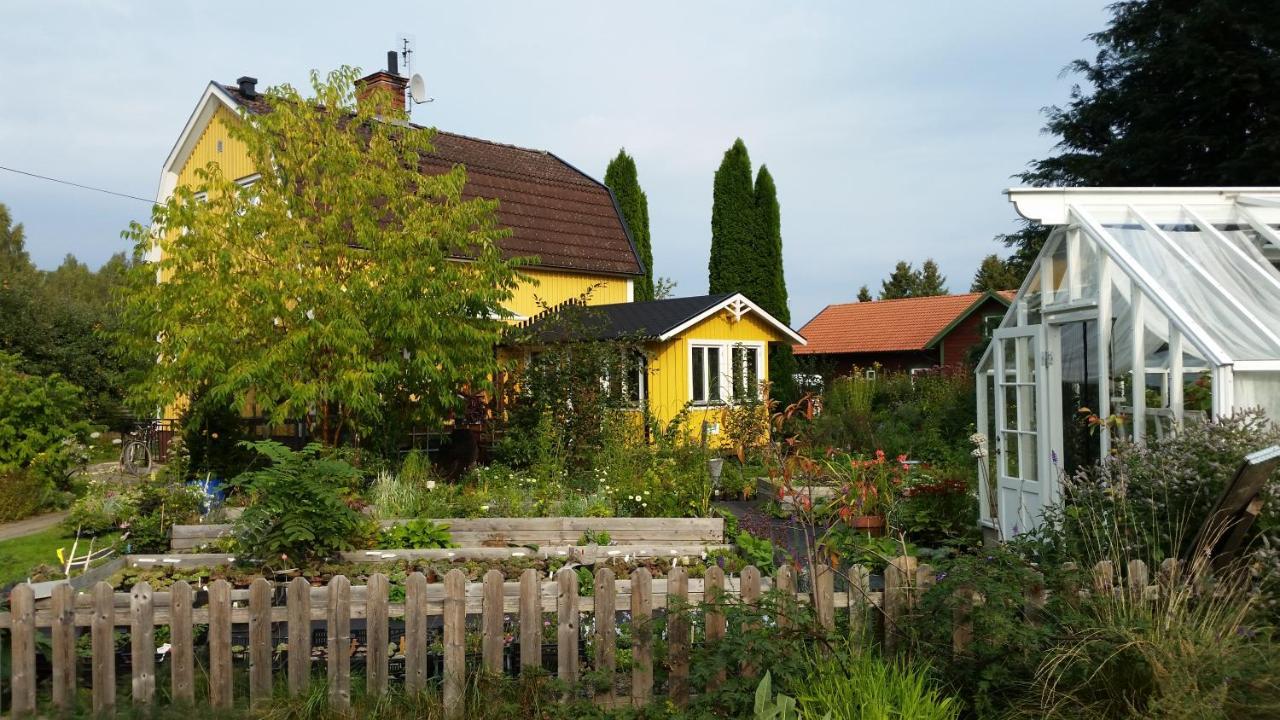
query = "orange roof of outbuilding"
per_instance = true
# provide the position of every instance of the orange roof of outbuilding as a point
(886, 325)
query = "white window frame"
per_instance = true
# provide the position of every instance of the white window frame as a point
(641, 378)
(725, 347)
(991, 323)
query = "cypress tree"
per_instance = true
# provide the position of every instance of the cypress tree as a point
(772, 285)
(734, 226)
(864, 295)
(902, 283)
(624, 181)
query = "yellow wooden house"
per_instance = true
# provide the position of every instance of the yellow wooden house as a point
(566, 221)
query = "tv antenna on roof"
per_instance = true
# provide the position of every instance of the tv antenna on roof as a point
(417, 86)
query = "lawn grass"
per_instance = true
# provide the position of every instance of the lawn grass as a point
(19, 556)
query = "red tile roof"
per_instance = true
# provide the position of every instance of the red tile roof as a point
(883, 325)
(555, 211)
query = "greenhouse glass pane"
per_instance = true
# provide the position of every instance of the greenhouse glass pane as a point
(1219, 288)
(1260, 390)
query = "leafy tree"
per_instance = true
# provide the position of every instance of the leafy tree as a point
(1179, 94)
(864, 295)
(327, 292)
(623, 180)
(735, 234)
(901, 283)
(41, 432)
(932, 281)
(53, 322)
(14, 261)
(994, 274)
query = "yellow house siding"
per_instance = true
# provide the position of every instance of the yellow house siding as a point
(233, 158)
(669, 382)
(553, 287)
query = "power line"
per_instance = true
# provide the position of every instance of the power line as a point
(78, 185)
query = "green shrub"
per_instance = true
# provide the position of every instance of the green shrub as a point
(296, 507)
(1008, 642)
(145, 510)
(417, 534)
(22, 494)
(1148, 502)
(756, 551)
(41, 437)
(851, 685)
(1183, 655)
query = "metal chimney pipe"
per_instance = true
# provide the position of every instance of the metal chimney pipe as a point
(393, 64)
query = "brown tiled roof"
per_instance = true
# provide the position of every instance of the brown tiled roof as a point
(556, 213)
(883, 325)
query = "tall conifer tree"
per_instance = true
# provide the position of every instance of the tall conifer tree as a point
(624, 181)
(735, 249)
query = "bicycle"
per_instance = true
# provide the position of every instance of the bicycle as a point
(135, 456)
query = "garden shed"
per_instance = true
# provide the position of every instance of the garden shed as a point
(1146, 308)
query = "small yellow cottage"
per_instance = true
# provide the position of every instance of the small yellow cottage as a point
(700, 352)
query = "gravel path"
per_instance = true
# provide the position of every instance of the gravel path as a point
(30, 526)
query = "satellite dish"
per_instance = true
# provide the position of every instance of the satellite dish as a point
(418, 89)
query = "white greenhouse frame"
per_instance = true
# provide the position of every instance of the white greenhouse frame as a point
(1186, 281)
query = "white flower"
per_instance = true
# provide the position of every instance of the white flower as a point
(979, 452)
(978, 439)
(431, 484)
(95, 435)
(638, 498)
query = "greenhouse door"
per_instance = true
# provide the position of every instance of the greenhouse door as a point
(1020, 425)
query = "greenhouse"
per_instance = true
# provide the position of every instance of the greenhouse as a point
(1146, 308)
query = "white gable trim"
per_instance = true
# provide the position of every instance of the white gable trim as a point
(740, 305)
(212, 98)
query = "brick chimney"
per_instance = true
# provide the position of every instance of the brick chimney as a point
(384, 81)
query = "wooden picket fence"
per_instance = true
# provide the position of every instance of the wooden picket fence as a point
(880, 613)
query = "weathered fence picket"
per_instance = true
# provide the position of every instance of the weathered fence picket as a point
(530, 620)
(338, 653)
(181, 647)
(104, 650)
(606, 639)
(641, 637)
(260, 641)
(298, 600)
(679, 636)
(22, 602)
(142, 645)
(455, 627)
(713, 595)
(377, 614)
(63, 603)
(220, 644)
(493, 626)
(415, 632)
(567, 629)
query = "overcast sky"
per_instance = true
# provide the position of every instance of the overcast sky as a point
(890, 128)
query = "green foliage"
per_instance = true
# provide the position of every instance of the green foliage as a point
(416, 534)
(854, 685)
(23, 493)
(144, 510)
(296, 508)
(907, 282)
(53, 321)
(853, 547)
(623, 180)
(936, 507)
(575, 397)
(1148, 502)
(994, 274)
(1008, 643)
(756, 550)
(770, 707)
(746, 251)
(735, 226)
(326, 289)
(595, 537)
(1182, 655)
(928, 417)
(41, 436)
